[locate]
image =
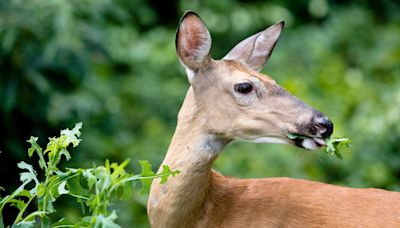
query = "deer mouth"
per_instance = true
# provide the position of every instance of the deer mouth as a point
(307, 142)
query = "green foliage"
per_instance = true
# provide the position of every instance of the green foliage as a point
(332, 145)
(94, 188)
(112, 65)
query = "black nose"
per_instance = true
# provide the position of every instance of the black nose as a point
(323, 126)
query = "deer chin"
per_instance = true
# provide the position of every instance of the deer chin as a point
(266, 139)
(305, 142)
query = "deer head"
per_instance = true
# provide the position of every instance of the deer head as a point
(231, 99)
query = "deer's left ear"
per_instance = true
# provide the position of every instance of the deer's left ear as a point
(256, 49)
(193, 42)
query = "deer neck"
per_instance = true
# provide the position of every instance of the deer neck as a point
(192, 151)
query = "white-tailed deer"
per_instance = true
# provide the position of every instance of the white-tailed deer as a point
(228, 100)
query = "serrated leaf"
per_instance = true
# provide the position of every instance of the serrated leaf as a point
(146, 169)
(107, 221)
(90, 178)
(41, 190)
(126, 192)
(75, 187)
(65, 153)
(146, 172)
(118, 171)
(61, 188)
(20, 204)
(166, 173)
(19, 192)
(72, 135)
(27, 177)
(332, 145)
(24, 193)
(34, 146)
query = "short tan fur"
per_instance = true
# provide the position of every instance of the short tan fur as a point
(230, 100)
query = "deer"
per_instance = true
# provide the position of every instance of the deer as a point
(228, 100)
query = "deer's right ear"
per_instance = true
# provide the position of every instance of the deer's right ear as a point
(193, 42)
(256, 50)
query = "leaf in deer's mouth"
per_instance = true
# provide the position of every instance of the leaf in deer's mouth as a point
(332, 144)
(295, 136)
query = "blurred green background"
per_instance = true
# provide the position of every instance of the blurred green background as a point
(112, 66)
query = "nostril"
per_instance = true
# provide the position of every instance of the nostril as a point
(324, 126)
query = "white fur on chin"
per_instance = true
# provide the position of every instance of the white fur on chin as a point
(309, 144)
(268, 140)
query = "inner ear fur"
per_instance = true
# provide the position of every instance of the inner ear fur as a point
(255, 50)
(193, 41)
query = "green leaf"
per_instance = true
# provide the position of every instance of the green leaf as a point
(166, 173)
(75, 187)
(146, 172)
(72, 135)
(41, 190)
(27, 177)
(20, 204)
(19, 192)
(118, 170)
(34, 146)
(295, 136)
(61, 188)
(90, 178)
(333, 144)
(65, 153)
(106, 221)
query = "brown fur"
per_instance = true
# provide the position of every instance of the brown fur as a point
(200, 197)
(213, 114)
(286, 202)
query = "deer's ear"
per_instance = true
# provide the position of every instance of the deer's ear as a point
(193, 42)
(256, 49)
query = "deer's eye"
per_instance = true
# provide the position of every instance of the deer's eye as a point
(244, 87)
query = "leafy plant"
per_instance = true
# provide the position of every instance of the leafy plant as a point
(94, 188)
(332, 144)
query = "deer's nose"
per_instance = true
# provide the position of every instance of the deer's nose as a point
(323, 126)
